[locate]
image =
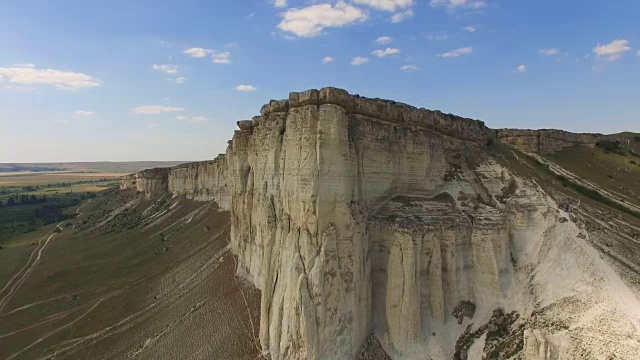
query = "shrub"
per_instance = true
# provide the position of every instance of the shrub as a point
(611, 147)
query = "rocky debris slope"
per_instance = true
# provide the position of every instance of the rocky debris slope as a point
(356, 216)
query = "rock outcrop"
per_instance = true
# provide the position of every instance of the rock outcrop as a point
(356, 216)
(203, 181)
(537, 346)
(546, 141)
(151, 182)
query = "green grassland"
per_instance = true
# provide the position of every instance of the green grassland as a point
(27, 207)
(609, 170)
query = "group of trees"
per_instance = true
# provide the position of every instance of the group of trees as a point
(611, 147)
(88, 196)
(69, 184)
(23, 199)
(56, 185)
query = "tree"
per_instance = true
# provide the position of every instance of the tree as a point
(0, 202)
(11, 201)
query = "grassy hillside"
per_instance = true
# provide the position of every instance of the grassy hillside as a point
(127, 277)
(611, 171)
(629, 135)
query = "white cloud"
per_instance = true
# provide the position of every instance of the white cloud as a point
(217, 57)
(359, 60)
(156, 109)
(456, 52)
(153, 125)
(521, 68)
(220, 57)
(437, 37)
(310, 21)
(549, 52)
(327, 59)
(65, 80)
(613, 50)
(401, 16)
(193, 119)
(280, 3)
(385, 52)
(383, 40)
(197, 52)
(470, 29)
(24, 65)
(408, 68)
(180, 80)
(83, 113)
(386, 5)
(246, 88)
(458, 4)
(59, 121)
(638, 53)
(166, 68)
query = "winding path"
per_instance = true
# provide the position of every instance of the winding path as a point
(16, 282)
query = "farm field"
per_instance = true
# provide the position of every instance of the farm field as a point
(86, 167)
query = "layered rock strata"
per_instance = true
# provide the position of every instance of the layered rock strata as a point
(429, 255)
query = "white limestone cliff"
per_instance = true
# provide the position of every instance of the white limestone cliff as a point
(356, 215)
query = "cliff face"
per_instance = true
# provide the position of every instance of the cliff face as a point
(301, 181)
(151, 182)
(546, 141)
(203, 181)
(356, 215)
(304, 180)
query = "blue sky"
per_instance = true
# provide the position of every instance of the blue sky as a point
(90, 80)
